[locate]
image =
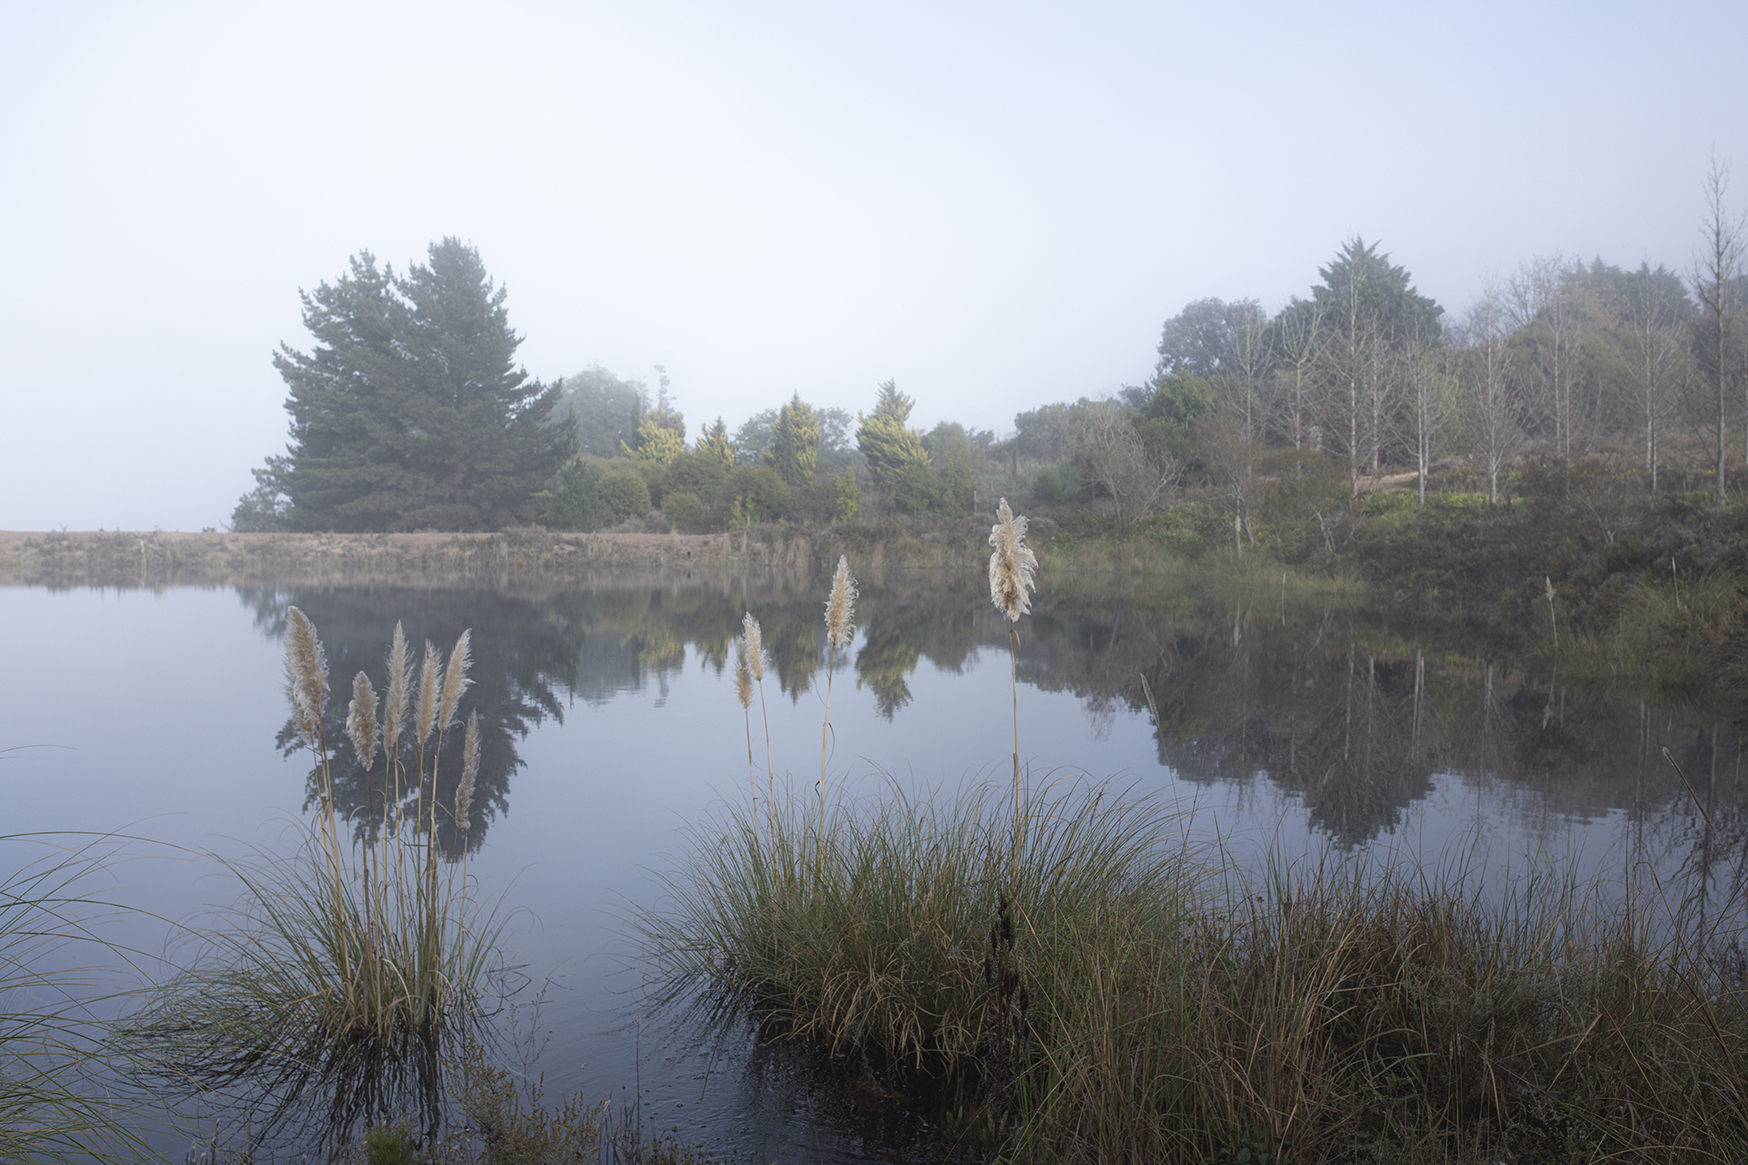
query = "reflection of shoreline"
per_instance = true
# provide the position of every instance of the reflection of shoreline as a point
(1308, 693)
(530, 562)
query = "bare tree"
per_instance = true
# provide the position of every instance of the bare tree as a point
(1492, 404)
(1654, 352)
(1715, 272)
(1356, 388)
(1431, 397)
(1117, 459)
(1298, 346)
(1546, 302)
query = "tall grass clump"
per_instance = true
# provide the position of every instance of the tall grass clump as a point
(1127, 999)
(1685, 633)
(881, 946)
(347, 963)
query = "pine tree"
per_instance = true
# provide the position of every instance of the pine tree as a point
(714, 443)
(410, 412)
(794, 450)
(895, 453)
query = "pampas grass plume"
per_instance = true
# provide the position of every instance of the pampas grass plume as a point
(743, 675)
(755, 647)
(430, 692)
(1010, 565)
(469, 769)
(306, 674)
(399, 697)
(455, 681)
(361, 720)
(840, 607)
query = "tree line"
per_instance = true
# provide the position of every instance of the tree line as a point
(410, 413)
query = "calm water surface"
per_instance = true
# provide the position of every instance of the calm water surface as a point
(1298, 728)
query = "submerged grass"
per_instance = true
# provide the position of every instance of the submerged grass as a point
(1175, 1011)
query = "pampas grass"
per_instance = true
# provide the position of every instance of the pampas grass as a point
(839, 626)
(752, 638)
(743, 691)
(1011, 565)
(345, 968)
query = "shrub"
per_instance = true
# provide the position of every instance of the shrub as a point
(846, 497)
(1047, 487)
(684, 512)
(624, 494)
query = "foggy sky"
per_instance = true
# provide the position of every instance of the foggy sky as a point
(997, 204)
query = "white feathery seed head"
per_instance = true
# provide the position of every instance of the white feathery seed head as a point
(1011, 564)
(469, 770)
(840, 608)
(755, 647)
(306, 674)
(743, 674)
(455, 681)
(430, 692)
(399, 698)
(361, 720)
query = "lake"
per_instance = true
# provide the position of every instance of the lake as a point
(1292, 726)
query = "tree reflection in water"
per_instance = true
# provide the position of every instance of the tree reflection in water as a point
(1356, 718)
(521, 654)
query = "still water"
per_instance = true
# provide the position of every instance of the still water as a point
(1289, 727)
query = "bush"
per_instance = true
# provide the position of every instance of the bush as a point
(759, 495)
(624, 494)
(1047, 487)
(573, 496)
(846, 497)
(684, 512)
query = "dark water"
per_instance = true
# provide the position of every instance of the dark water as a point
(1291, 726)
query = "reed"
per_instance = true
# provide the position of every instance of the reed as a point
(840, 624)
(343, 968)
(1177, 1010)
(753, 637)
(1011, 565)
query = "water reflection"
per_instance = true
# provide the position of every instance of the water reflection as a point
(1354, 719)
(523, 653)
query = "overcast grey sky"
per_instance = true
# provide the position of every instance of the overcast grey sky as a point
(997, 204)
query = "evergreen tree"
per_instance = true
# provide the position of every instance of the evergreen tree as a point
(410, 412)
(894, 452)
(794, 449)
(714, 443)
(656, 441)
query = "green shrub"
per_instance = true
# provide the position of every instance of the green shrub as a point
(846, 497)
(624, 494)
(1047, 487)
(1378, 503)
(759, 495)
(684, 512)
